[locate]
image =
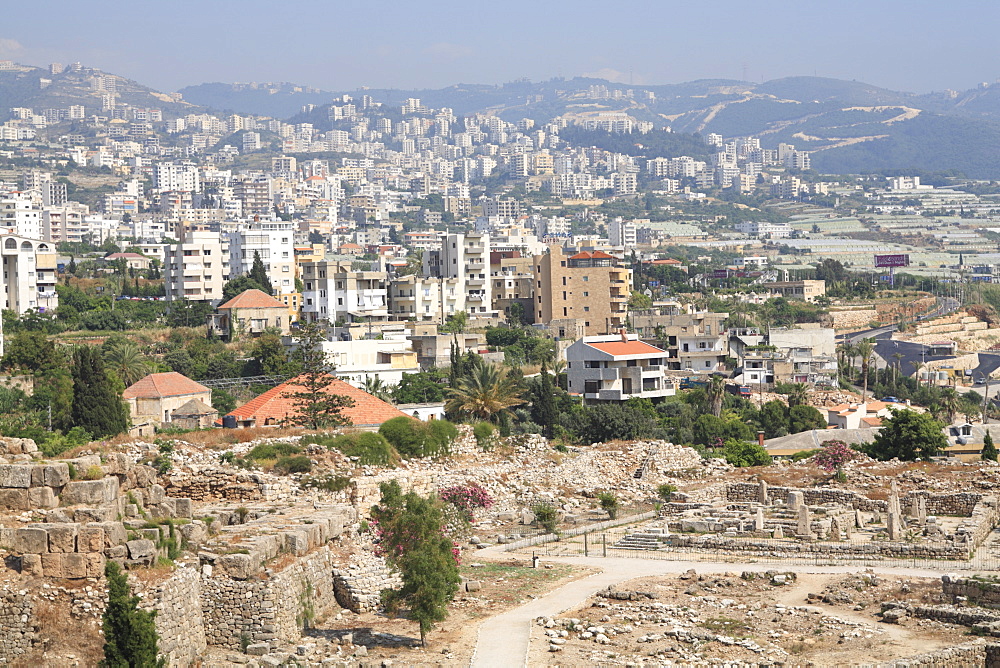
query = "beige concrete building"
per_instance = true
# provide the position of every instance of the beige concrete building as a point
(155, 398)
(249, 313)
(196, 268)
(591, 285)
(807, 290)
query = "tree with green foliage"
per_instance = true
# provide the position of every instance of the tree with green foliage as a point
(315, 406)
(546, 409)
(517, 315)
(907, 435)
(989, 450)
(411, 538)
(609, 504)
(454, 323)
(424, 387)
(715, 392)
(97, 406)
(267, 356)
(803, 418)
(258, 274)
(240, 284)
(486, 393)
(124, 359)
(744, 453)
(223, 401)
(130, 639)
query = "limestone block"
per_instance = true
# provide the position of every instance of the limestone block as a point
(236, 566)
(116, 552)
(55, 475)
(114, 532)
(84, 515)
(155, 495)
(183, 508)
(43, 497)
(7, 538)
(15, 475)
(166, 508)
(141, 549)
(473, 585)
(193, 533)
(31, 541)
(90, 539)
(75, 565)
(90, 492)
(313, 534)
(152, 534)
(14, 499)
(31, 564)
(95, 564)
(296, 542)
(62, 537)
(53, 565)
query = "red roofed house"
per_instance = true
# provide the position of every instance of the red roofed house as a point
(132, 260)
(156, 397)
(250, 313)
(276, 406)
(616, 368)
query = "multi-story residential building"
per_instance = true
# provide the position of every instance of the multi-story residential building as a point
(466, 258)
(592, 286)
(334, 291)
(196, 268)
(616, 368)
(622, 233)
(425, 298)
(808, 290)
(693, 341)
(357, 360)
(18, 213)
(64, 223)
(29, 274)
(176, 176)
(513, 281)
(760, 229)
(274, 241)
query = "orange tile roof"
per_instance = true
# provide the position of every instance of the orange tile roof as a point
(277, 405)
(170, 384)
(630, 348)
(252, 299)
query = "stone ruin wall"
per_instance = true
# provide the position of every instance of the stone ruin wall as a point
(980, 592)
(960, 504)
(17, 628)
(180, 621)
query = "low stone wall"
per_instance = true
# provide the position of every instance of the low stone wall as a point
(960, 503)
(180, 621)
(17, 631)
(358, 586)
(278, 607)
(975, 654)
(364, 491)
(216, 484)
(980, 592)
(892, 550)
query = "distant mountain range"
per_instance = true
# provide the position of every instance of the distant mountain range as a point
(851, 127)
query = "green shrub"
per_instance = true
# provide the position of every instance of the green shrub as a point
(93, 473)
(665, 491)
(295, 464)
(73, 475)
(370, 449)
(413, 438)
(546, 515)
(272, 451)
(805, 454)
(327, 483)
(483, 431)
(609, 503)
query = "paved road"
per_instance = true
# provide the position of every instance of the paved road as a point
(913, 354)
(504, 640)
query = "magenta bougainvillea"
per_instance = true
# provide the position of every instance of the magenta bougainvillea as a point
(467, 498)
(833, 456)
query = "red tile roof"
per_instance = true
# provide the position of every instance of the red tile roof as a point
(170, 384)
(253, 299)
(629, 348)
(277, 405)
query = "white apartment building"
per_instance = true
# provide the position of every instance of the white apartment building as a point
(360, 359)
(425, 298)
(617, 367)
(274, 240)
(760, 229)
(334, 291)
(183, 176)
(64, 223)
(18, 213)
(622, 233)
(466, 258)
(196, 268)
(29, 274)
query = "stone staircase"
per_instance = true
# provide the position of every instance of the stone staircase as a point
(639, 541)
(641, 471)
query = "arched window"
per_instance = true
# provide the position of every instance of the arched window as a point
(10, 244)
(26, 246)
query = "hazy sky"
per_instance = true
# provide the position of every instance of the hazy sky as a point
(914, 45)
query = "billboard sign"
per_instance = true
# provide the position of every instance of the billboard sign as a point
(892, 261)
(720, 273)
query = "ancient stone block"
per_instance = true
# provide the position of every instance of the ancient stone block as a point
(183, 508)
(31, 541)
(95, 564)
(90, 492)
(62, 537)
(90, 539)
(84, 515)
(14, 499)
(117, 552)
(55, 475)
(155, 495)
(194, 533)
(42, 497)
(236, 566)
(75, 565)
(114, 532)
(296, 542)
(53, 565)
(15, 475)
(31, 564)
(141, 549)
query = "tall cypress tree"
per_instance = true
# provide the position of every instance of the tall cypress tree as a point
(97, 407)
(259, 274)
(989, 450)
(129, 633)
(547, 402)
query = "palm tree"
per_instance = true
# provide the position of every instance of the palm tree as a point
(485, 393)
(126, 361)
(866, 350)
(374, 386)
(714, 393)
(949, 403)
(899, 366)
(799, 396)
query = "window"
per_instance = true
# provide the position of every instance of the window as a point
(564, 312)
(586, 278)
(708, 364)
(564, 280)
(586, 324)
(564, 295)
(591, 386)
(586, 294)
(285, 269)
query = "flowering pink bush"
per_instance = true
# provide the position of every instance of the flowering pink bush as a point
(833, 456)
(467, 498)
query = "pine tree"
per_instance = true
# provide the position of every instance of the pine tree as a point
(71, 267)
(413, 542)
(97, 407)
(547, 402)
(989, 450)
(259, 274)
(316, 407)
(130, 639)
